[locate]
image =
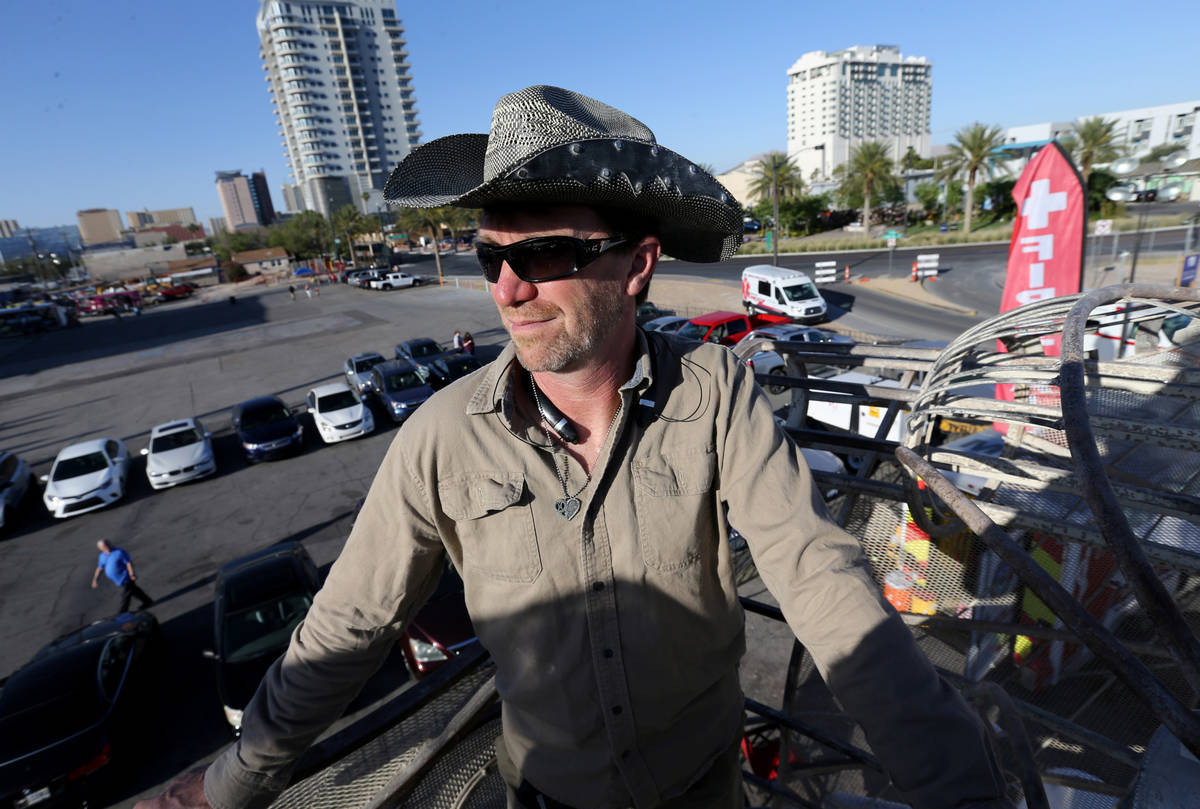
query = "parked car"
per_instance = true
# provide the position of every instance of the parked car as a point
(259, 600)
(440, 629)
(400, 387)
(770, 362)
(86, 476)
(176, 292)
(455, 366)
(668, 324)
(267, 428)
(358, 368)
(179, 451)
(78, 711)
(338, 412)
(646, 311)
(726, 328)
(422, 351)
(363, 278)
(395, 280)
(15, 478)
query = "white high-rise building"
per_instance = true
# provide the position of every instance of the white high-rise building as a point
(340, 82)
(838, 99)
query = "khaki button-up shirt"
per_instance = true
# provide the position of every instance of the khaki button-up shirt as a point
(616, 635)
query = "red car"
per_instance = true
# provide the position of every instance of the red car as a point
(440, 629)
(176, 292)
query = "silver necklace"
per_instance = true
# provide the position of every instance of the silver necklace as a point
(568, 505)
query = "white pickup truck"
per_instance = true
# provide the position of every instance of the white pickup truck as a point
(395, 280)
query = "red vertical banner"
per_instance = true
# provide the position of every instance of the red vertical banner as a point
(1045, 256)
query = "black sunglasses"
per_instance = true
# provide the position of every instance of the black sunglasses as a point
(545, 258)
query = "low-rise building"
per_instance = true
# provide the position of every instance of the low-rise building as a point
(131, 262)
(200, 270)
(268, 259)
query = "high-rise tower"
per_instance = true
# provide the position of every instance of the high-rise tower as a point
(344, 101)
(839, 99)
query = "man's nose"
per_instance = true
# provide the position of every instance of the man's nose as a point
(509, 289)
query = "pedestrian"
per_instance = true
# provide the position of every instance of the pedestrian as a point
(458, 340)
(292, 291)
(317, 289)
(308, 290)
(468, 343)
(118, 567)
(582, 486)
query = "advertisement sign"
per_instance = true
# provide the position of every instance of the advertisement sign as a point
(1045, 256)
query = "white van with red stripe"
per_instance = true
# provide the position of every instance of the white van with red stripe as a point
(780, 291)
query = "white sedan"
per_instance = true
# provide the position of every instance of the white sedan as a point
(86, 476)
(15, 477)
(179, 451)
(339, 413)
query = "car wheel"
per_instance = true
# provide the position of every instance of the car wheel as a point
(416, 283)
(387, 286)
(776, 388)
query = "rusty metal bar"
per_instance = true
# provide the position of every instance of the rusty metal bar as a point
(1162, 703)
(1098, 492)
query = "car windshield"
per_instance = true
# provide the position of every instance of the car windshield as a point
(460, 367)
(337, 401)
(426, 349)
(69, 468)
(800, 292)
(362, 366)
(693, 331)
(170, 441)
(402, 381)
(264, 628)
(266, 414)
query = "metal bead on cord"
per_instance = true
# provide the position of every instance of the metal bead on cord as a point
(568, 505)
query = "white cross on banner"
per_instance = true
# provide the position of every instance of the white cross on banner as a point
(1041, 202)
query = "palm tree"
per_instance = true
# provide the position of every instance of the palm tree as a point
(349, 222)
(776, 175)
(457, 220)
(1095, 141)
(972, 152)
(870, 165)
(426, 220)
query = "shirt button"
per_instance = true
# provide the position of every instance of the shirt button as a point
(598, 586)
(608, 652)
(616, 709)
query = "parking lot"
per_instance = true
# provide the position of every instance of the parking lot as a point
(119, 378)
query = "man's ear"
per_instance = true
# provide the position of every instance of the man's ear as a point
(641, 265)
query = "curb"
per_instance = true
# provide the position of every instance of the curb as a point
(929, 299)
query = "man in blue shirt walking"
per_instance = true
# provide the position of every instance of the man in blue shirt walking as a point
(116, 564)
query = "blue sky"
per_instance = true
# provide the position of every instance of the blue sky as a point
(134, 104)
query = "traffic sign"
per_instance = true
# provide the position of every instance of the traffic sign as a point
(891, 242)
(1188, 274)
(891, 236)
(1103, 227)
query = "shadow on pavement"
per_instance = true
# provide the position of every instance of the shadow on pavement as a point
(105, 336)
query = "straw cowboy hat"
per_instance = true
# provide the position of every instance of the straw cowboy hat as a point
(550, 145)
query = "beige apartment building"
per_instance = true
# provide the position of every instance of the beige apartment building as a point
(99, 226)
(236, 200)
(166, 216)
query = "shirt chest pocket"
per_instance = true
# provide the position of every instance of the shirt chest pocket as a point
(676, 512)
(494, 524)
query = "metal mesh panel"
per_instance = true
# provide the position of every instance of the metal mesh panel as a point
(354, 779)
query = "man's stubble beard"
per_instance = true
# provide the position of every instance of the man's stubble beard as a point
(565, 351)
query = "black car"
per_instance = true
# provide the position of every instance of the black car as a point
(400, 386)
(77, 711)
(448, 369)
(647, 311)
(267, 429)
(422, 351)
(260, 598)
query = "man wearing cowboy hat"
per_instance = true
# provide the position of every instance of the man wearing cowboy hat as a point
(581, 484)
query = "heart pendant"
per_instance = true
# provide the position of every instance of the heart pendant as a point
(567, 507)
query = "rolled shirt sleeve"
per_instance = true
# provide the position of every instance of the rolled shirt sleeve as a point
(862, 649)
(390, 565)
